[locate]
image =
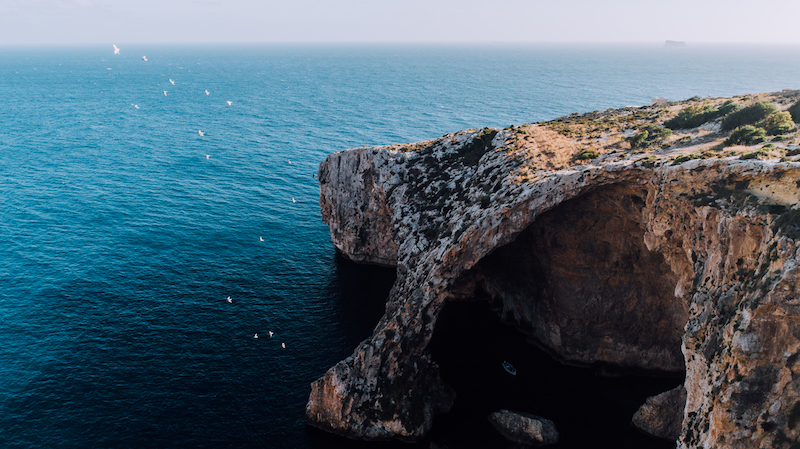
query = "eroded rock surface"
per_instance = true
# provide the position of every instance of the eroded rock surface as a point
(664, 265)
(662, 415)
(524, 428)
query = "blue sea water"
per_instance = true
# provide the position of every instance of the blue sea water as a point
(122, 230)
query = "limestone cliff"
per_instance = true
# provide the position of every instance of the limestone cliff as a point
(604, 237)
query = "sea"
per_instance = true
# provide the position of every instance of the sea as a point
(123, 231)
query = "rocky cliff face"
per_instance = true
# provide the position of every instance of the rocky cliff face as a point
(654, 261)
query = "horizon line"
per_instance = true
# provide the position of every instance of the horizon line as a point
(395, 42)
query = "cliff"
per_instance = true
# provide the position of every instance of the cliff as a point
(605, 237)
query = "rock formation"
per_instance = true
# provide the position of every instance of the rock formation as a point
(524, 428)
(662, 415)
(603, 243)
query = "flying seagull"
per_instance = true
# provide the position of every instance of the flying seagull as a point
(207, 92)
(144, 58)
(173, 82)
(116, 49)
(230, 102)
(200, 133)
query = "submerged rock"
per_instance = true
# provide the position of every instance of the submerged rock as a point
(661, 415)
(524, 428)
(664, 261)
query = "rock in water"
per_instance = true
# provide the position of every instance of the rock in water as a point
(661, 415)
(524, 428)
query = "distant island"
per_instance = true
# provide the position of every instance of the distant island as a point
(663, 238)
(674, 44)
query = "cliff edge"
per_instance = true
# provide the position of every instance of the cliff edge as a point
(653, 238)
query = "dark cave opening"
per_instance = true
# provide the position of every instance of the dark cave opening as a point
(471, 342)
(580, 284)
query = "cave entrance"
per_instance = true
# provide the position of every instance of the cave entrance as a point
(581, 285)
(590, 411)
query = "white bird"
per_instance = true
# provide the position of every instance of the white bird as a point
(230, 102)
(283, 345)
(144, 58)
(116, 49)
(165, 93)
(290, 161)
(270, 334)
(200, 132)
(173, 82)
(255, 335)
(294, 200)
(260, 238)
(230, 301)
(136, 106)
(207, 93)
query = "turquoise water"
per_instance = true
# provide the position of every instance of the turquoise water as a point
(123, 231)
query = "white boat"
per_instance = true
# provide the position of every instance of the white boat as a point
(509, 368)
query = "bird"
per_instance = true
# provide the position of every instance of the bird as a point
(294, 200)
(207, 93)
(270, 334)
(173, 82)
(116, 49)
(260, 238)
(136, 106)
(230, 102)
(208, 156)
(283, 345)
(165, 93)
(144, 58)
(200, 132)
(289, 160)
(230, 301)
(255, 335)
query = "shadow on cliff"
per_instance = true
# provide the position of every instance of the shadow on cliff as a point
(361, 292)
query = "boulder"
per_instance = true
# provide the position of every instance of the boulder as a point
(661, 415)
(524, 428)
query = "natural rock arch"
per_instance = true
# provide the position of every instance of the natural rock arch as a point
(725, 228)
(580, 282)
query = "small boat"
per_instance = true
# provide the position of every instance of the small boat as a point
(509, 368)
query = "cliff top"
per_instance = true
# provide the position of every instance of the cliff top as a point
(760, 126)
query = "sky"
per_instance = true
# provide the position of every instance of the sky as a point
(50, 22)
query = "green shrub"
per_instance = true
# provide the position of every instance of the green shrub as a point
(746, 135)
(728, 107)
(768, 151)
(648, 161)
(648, 135)
(687, 157)
(692, 116)
(779, 123)
(639, 139)
(748, 116)
(795, 111)
(589, 153)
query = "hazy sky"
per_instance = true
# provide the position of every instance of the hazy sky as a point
(150, 21)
